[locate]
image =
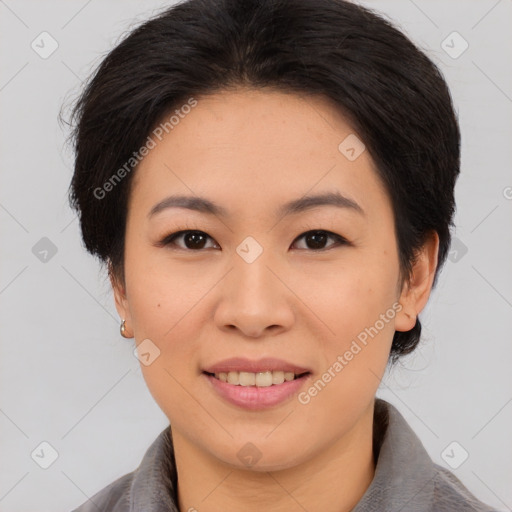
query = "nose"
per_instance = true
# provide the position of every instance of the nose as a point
(255, 299)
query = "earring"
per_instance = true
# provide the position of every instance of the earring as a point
(122, 329)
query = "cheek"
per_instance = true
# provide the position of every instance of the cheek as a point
(171, 321)
(359, 310)
(162, 294)
(352, 296)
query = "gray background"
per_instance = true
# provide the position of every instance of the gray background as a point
(69, 379)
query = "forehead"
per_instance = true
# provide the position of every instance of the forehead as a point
(261, 120)
(256, 147)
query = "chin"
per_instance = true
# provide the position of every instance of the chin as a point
(260, 456)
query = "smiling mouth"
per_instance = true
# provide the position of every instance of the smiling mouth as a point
(259, 379)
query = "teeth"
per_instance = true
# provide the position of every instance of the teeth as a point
(289, 375)
(277, 377)
(247, 379)
(260, 379)
(234, 378)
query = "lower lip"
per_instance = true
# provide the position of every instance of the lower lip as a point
(256, 398)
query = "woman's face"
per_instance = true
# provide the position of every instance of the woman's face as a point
(254, 285)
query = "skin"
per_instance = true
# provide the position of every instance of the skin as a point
(251, 151)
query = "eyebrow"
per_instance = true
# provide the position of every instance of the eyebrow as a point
(203, 205)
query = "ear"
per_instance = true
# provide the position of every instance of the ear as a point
(121, 300)
(416, 291)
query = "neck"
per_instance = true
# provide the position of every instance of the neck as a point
(334, 480)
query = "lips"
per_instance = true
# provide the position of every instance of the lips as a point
(256, 384)
(254, 397)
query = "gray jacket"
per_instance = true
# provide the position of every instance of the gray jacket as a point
(406, 479)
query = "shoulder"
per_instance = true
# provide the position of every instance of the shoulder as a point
(150, 487)
(406, 477)
(451, 494)
(115, 497)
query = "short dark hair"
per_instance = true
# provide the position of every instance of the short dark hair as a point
(392, 94)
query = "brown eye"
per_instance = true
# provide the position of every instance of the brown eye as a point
(195, 240)
(192, 240)
(317, 239)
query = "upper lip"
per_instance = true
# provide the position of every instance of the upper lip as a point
(240, 364)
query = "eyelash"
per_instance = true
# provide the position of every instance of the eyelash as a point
(169, 240)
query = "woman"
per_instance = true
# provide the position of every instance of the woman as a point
(271, 185)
